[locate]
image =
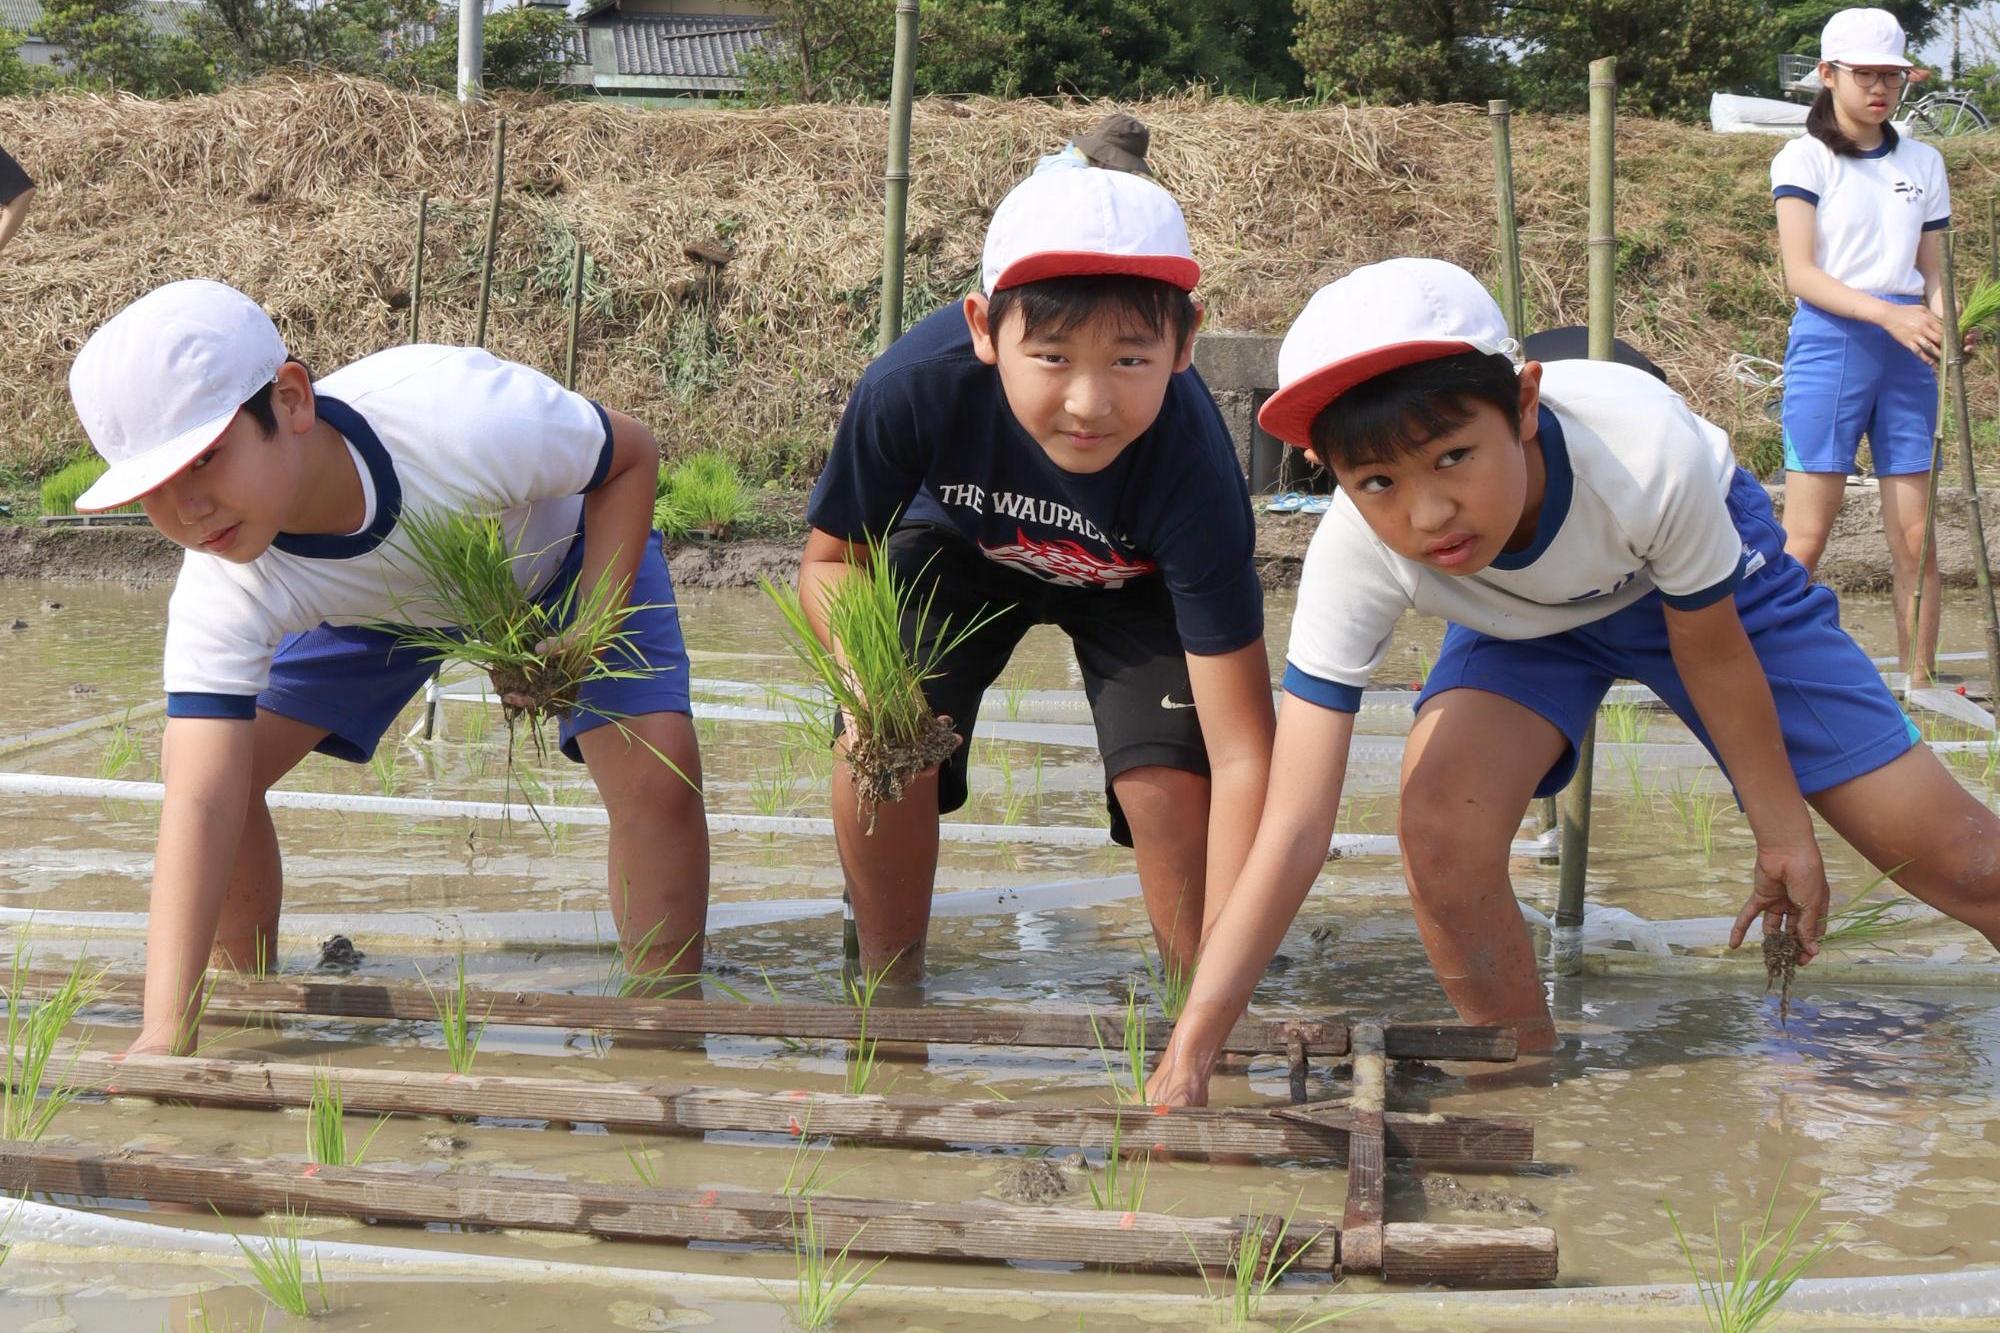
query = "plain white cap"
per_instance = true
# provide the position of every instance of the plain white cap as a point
(163, 378)
(1087, 221)
(1378, 318)
(1869, 38)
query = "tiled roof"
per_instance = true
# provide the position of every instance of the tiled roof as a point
(705, 47)
(165, 16)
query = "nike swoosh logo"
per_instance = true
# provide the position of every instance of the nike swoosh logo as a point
(1167, 701)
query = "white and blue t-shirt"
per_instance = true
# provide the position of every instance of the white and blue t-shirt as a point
(928, 437)
(1636, 499)
(1872, 209)
(430, 428)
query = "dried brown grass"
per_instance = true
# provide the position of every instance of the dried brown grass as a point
(293, 190)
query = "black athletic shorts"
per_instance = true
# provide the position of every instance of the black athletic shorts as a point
(1127, 646)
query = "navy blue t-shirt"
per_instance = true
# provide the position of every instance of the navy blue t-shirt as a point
(928, 435)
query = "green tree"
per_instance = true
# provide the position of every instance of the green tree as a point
(109, 44)
(250, 36)
(14, 77)
(1385, 51)
(836, 50)
(524, 49)
(1800, 21)
(1672, 54)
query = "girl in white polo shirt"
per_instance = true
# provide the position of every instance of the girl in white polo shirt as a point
(1859, 212)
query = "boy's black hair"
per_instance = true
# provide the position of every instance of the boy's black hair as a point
(1824, 126)
(1055, 306)
(258, 404)
(1401, 411)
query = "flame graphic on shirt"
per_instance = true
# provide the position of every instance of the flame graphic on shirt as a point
(1068, 564)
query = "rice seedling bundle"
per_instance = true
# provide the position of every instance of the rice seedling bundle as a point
(1980, 308)
(61, 488)
(700, 496)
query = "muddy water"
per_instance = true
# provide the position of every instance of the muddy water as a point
(1687, 1091)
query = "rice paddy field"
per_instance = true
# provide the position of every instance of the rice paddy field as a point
(1872, 1111)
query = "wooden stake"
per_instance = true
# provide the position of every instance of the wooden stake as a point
(913, 1122)
(417, 264)
(492, 225)
(1361, 1237)
(896, 175)
(575, 315)
(1954, 367)
(942, 1024)
(1513, 301)
(1454, 1255)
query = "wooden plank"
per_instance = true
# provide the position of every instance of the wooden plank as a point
(922, 1122)
(1443, 1254)
(1361, 1224)
(942, 1024)
(619, 1212)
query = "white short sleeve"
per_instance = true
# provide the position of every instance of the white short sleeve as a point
(220, 639)
(1938, 195)
(1350, 597)
(1696, 553)
(1799, 170)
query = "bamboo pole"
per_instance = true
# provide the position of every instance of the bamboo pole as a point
(1361, 1224)
(896, 179)
(1513, 302)
(1992, 241)
(1566, 940)
(417, 264)
(910, 1122)
(575, 315)
(1954, 365)
(1447, 1255)
(492, 225)
(938, 1024)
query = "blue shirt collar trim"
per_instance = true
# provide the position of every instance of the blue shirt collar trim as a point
(388, 492)
(1883, 149)
(1557, 487)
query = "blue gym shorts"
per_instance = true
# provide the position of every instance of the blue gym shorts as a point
(354, 680)
(1845, 378)
(1838, 717)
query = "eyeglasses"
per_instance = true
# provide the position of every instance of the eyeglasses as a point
(1869, 78)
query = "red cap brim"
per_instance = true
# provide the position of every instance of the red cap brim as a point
(1178, 270)
(1289, 413)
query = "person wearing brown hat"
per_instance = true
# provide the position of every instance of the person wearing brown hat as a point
(1116, 143)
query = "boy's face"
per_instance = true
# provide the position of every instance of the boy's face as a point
(1457, 502)
(233, 499)
(1084, 393)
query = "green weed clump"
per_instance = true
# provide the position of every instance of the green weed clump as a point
(877, 685)
(702, 495)
(1744, 1293)
(27, 1107)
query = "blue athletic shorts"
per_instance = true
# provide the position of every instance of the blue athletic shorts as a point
(1839, 718)
(1845, 379)
(353, 680)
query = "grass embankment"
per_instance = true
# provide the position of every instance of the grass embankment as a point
(303, 193)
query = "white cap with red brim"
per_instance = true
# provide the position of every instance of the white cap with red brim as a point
(1087, 221)
(1380, 317)
(163, 378)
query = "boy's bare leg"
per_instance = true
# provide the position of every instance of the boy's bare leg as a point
(1904, 500)
(1912, 812)
(890, 873)
(1812, 503)
(1471, 768)
(246, 937)
(1167, 810)
(658, 870)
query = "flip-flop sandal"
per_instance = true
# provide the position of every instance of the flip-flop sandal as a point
(1316, 504)
(1285, 502)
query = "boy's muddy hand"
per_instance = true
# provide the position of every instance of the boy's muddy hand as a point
(1790, 892)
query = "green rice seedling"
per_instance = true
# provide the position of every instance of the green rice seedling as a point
(893, 734)
(476, 723)
(537, 656)
(326, 1125)
(278, 1264)
(1863, 921)
(1169, 981)
(62, 488)
(1622, 723)
(120, 751)
(1261, 1260)
(33, 1094)
(1016, 695)
(1980, 308)
(702, 495)
(1132, 1053)
(771, 793)
(386, 764)
(790, 1044)
(824, 1284)
(1119, 1188)
(1698, 812)
(201, 1320)
(1744, 1294)
(862, 1053)
(643, 1167)
(453, 1005)
(806, 1177)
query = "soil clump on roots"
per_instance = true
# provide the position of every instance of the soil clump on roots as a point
(883, 769)
(1781, 964)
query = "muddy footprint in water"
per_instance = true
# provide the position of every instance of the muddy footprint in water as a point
(338, 954)
(1781, 964)
(1032, 1180)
